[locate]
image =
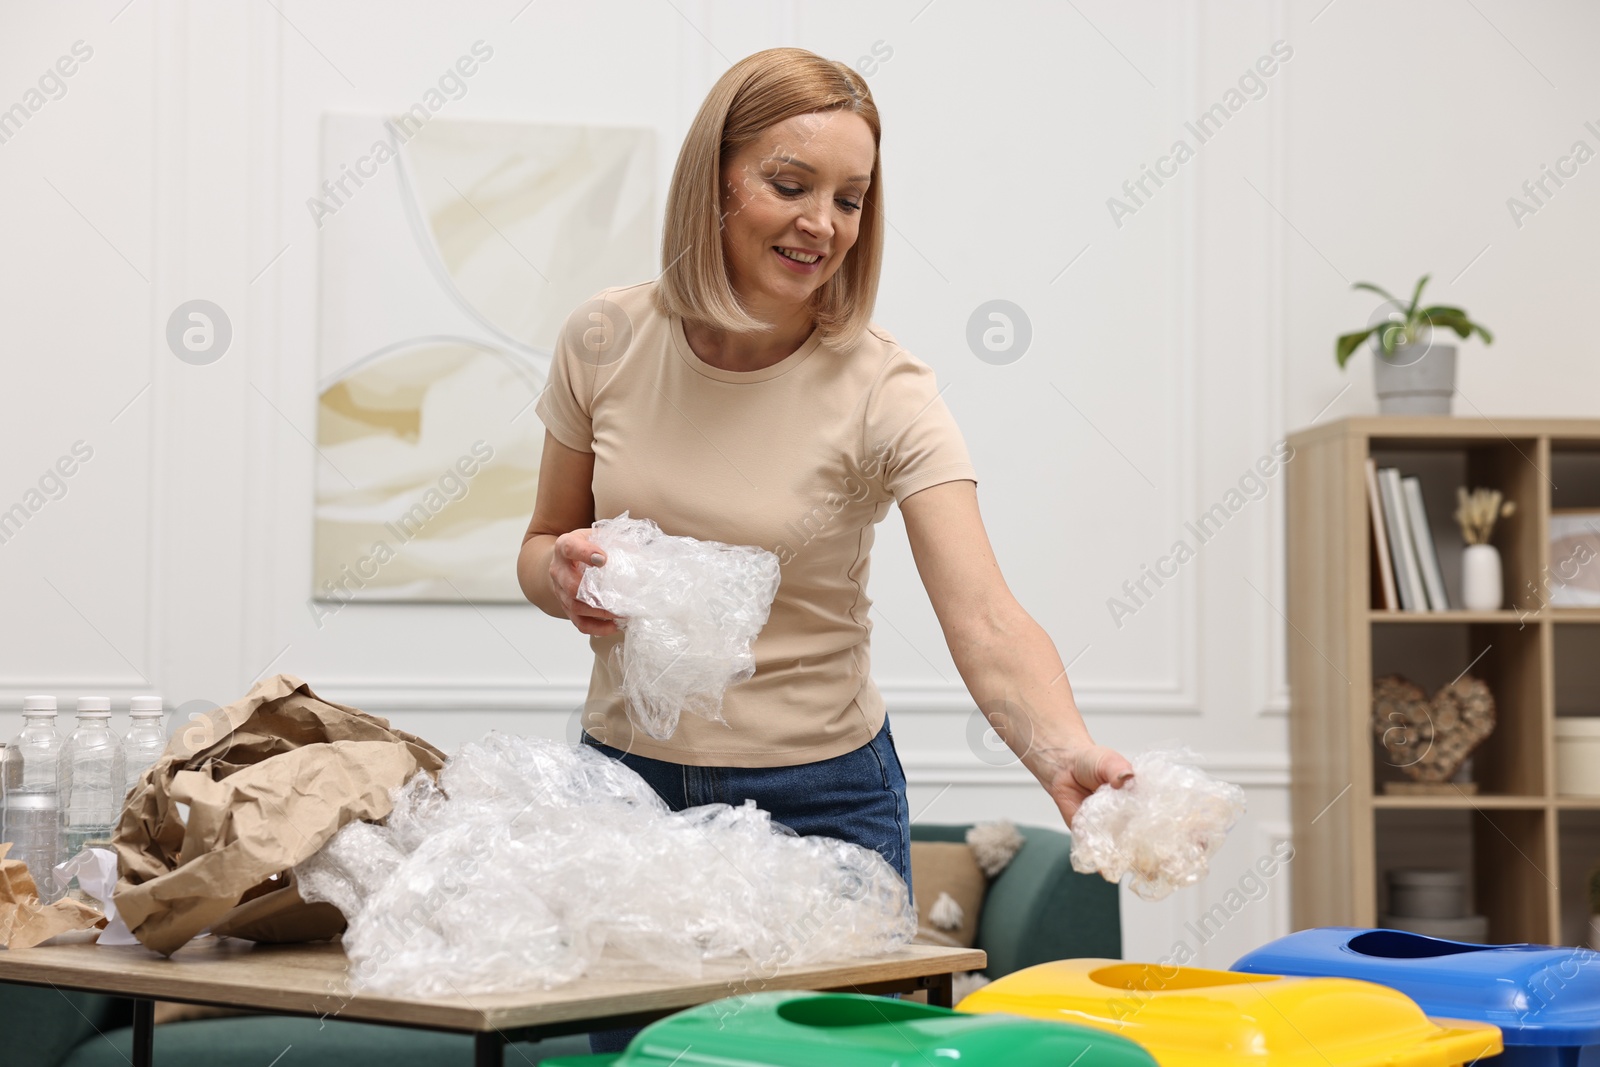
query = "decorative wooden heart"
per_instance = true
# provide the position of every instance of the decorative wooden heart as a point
(1429, 739)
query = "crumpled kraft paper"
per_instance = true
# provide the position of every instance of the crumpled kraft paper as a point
(281, 917)
(265, 781)
(25, 920)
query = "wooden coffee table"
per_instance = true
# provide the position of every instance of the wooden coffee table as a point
(311, 980)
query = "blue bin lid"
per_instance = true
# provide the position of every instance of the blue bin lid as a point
(1536, 994)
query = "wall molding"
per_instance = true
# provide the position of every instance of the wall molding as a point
(505, 696)
(1252, 770)
(1191, 622)
(512, 694)
(1277, 702)
(1275, 644)
(1270, 834)
(502, 697)
(518, 695)
(66, 691)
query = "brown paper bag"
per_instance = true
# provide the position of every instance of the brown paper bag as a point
(280, 917)
(25, 920)
(267, 780)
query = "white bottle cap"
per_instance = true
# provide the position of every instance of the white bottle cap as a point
(144, 706)
(94, 704)
(43, 702)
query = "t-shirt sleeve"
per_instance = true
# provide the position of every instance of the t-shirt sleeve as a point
(910, 431)
(566, 405)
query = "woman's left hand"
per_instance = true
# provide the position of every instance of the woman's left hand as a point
(1083, 770)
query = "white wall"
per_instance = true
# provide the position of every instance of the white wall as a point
(1176, 349)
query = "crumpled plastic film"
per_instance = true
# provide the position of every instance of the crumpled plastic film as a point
(533, 862)
(1162, 828)
(691, 611)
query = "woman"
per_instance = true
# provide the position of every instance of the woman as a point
(745, 397)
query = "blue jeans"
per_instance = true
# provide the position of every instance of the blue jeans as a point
(858, 797)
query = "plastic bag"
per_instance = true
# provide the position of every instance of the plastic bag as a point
(691, 611)
(96, 872)
(1163, 827)
(533, 862)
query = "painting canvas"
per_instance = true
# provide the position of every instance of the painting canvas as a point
(1574, 558)
(451, 252)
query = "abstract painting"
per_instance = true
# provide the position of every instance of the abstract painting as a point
(451, 252)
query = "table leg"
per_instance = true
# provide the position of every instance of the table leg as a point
(144, 1031)
(941, 990)
(489, 1050)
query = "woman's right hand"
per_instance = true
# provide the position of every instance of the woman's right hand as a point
(572, 552)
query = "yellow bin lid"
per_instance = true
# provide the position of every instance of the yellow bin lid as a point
(1191, 1017)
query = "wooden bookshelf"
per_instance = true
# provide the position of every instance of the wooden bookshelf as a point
(1526, 850)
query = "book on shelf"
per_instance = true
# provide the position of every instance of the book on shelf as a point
(1402, 550)
(1380, 537)
(1422, 534)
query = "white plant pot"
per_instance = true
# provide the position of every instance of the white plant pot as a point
(1482, 587)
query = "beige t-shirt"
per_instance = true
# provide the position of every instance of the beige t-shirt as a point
(802, 458)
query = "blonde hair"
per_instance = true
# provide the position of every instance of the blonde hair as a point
(755, 93)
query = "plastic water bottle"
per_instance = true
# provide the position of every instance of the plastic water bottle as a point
(146, 739)
(92, 778)
(33, 800)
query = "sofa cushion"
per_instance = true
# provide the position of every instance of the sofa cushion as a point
(1039, 909)
(944, 867)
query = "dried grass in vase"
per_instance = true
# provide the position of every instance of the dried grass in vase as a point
(1477, 512)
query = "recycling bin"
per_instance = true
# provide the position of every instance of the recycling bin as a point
(1546, 1000)
(799, 1029)
(1191, 1017)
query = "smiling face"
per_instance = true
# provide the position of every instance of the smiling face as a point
(798, 187)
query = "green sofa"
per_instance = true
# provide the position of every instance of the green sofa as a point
(1038, 909)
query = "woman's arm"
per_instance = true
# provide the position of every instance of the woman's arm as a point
(557, 543)
(1010, 665)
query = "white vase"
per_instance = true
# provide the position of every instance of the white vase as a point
(1481, 584)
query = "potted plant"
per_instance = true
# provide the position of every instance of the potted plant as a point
(1412, 375)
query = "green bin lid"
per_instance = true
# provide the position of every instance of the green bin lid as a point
(800, 1029)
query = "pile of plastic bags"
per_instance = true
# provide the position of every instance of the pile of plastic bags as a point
(532, 862)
